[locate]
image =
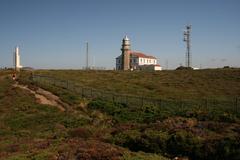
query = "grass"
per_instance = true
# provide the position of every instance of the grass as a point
(217, 83)
(175, 96)
(91, 127)
(29, 130)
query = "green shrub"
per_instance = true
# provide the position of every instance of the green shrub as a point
(157, 139)
(148, 141)
(123, 113)
(227, 148)
(226, 117)
(128, 139)
(70, 121)
(183, 143)
(70, 98)
(120, 112)
(80, 132)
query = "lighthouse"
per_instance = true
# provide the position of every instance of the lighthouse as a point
(126, 49)
(134, 60)
(17, 59)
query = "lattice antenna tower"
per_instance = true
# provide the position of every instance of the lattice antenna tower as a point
(187, 39)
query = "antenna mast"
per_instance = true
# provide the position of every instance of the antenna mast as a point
(87, 55)
(186, 39)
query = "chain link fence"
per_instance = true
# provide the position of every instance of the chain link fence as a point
(136, 101)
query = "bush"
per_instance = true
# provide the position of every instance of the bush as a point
(157, 139)
(123, 113)
(80, 132)
(184, 68)
(227, 148)
(119, 111)
(70, 121)
(183, 143)
(148, 141)
(127, 139)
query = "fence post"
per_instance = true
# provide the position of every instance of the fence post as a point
(206, 103)
(236, 103)
(37, 80)
(31, 78)
(67, 84)
(54, 82)
(43, 81)
(40, 80)
(181, 105)
(113, 98)
(126, 99)
(142, 101)
(91, 93)
(48, 81)
(160, 103)
(101, 95)
(82, 92)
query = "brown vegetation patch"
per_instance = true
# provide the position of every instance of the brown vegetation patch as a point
(80, 132)
(89, 150)
(175, 123)
(42, 144)
(12, 148)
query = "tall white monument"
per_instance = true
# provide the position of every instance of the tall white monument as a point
(17, 59)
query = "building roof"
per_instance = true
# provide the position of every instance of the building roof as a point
(139, 54)
(142, 55)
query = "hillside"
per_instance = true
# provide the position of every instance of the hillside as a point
(95, 128)
(31, 130)
(215, 83)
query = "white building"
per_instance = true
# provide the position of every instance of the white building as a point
(137, 60)
(17, 59)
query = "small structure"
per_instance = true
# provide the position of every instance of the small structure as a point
(131, 60)
(14, 76)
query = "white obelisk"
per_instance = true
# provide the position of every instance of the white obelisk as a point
(17, 59)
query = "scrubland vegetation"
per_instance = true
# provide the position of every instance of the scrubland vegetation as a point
(100, 129)
(29, 130)
(180, 84)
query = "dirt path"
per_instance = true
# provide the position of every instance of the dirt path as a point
(1, 77)
(45, 97)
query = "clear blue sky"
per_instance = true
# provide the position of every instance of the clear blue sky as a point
(52, 33)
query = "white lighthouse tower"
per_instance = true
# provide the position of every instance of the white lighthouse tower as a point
(17, 59)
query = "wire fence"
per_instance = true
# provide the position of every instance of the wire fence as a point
(231, 104)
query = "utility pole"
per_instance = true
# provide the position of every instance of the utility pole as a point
(166, 65)
(186, 39)
(93, 62)
(87, 67)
